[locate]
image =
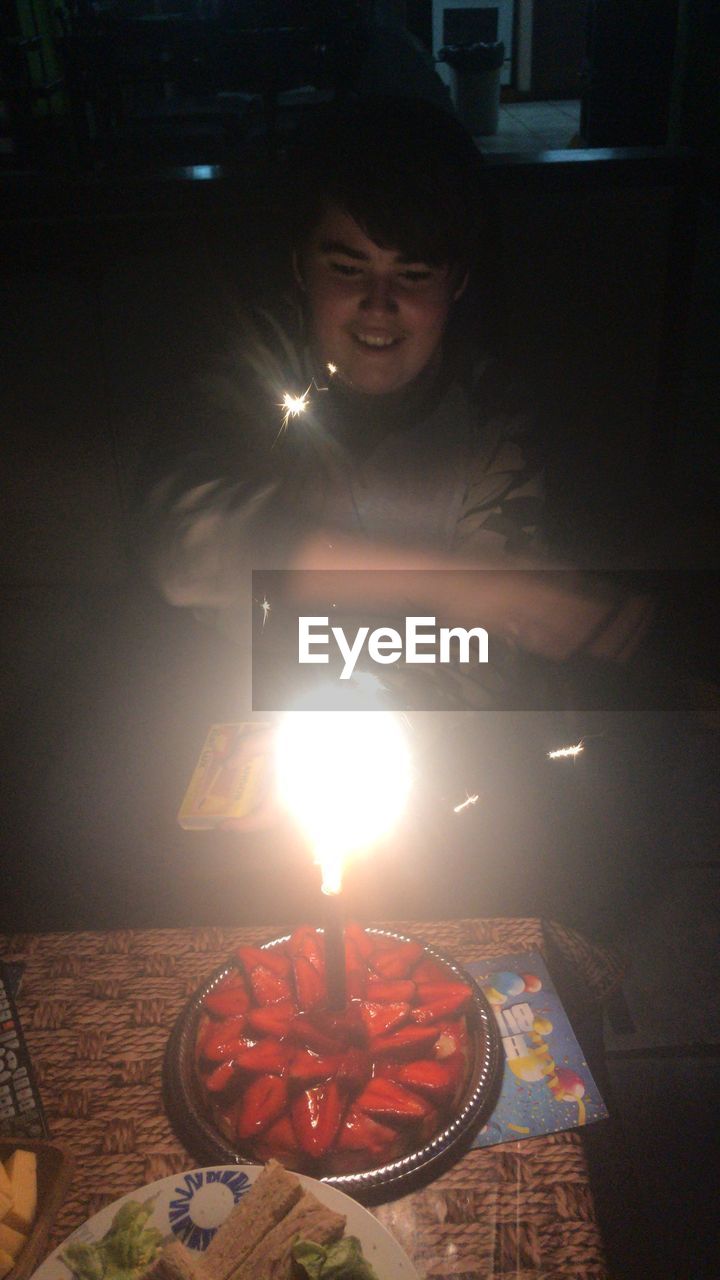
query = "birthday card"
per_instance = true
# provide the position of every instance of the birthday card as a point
(547, 1085)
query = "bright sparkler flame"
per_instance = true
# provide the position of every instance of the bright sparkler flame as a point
(331, 368)
(563, 753)
(345, 777)
(266, 607)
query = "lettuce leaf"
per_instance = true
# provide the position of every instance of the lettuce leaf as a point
(126, 1250)
(340, 1261)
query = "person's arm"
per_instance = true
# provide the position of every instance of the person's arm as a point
(548, 610)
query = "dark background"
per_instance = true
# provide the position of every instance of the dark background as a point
(134, 219)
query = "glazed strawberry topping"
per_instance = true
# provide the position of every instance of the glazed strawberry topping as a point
(391, 1101)
(361, 1133)
(309, 983)
(316, 1115)
(333, 1090)
(269, 987)
(379, 1018)
(272, 1019)
(308, 1066)
(388, 992)
(267, 1055)
(261, 1103)
(398, 961)
(228, 998)
(429, 1076)
(221, 1076)
(222, 1039)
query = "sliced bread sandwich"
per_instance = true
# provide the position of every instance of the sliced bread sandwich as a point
(308, 1220)
(255, 1241)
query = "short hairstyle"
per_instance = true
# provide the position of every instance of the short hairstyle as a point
(404, 169)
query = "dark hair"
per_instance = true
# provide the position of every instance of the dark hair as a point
(404, 169)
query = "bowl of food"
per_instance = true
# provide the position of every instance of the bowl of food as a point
(34, 1177)
(376, 1093)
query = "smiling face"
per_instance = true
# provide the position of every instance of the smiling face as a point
(377, 317)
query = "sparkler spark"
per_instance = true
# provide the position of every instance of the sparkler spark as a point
(294, 406)
(467, 802)
(563, 753)
(331, 368)
(266, 607)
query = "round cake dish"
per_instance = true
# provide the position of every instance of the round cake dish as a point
(428, 1153)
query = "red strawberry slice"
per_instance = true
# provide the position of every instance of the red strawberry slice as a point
(267, 1056)
(228, 998)
(269, 987)
(304, 1031)
(361, 1133)
(353, 956)
(354, 1070)
(452, 1038)
(307, 942)
(273, 1019)
(382, 942)
(396, 962)
(429, 992)
(316, 1116)
(439, 1008)
(391, 1101)
(310, 1067)
(261, 1103)
(309, 983)
(381, 1018)
(406, 1042)
(220, 1039)
(220, 1076)
(426, 1075)
(278, 1140)
(362, 941)
(388, 992)
(271, 958)
(431, 971)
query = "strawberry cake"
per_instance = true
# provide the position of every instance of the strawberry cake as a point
(280, 1075)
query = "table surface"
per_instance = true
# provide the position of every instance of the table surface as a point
(97, 1009)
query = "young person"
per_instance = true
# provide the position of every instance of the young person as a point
(408, 450)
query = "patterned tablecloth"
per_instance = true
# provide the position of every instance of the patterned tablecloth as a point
(97, 1009)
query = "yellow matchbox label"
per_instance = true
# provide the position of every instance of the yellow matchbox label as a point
(232, 777)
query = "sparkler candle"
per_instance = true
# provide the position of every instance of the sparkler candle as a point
(334, 930)
(344, 776)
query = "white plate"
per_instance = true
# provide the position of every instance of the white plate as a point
(191, 1206)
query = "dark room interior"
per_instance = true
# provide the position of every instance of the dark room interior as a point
(145, 147)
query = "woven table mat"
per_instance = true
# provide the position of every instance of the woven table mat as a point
(97, 1009)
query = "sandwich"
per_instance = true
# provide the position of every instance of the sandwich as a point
(256, 1241)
